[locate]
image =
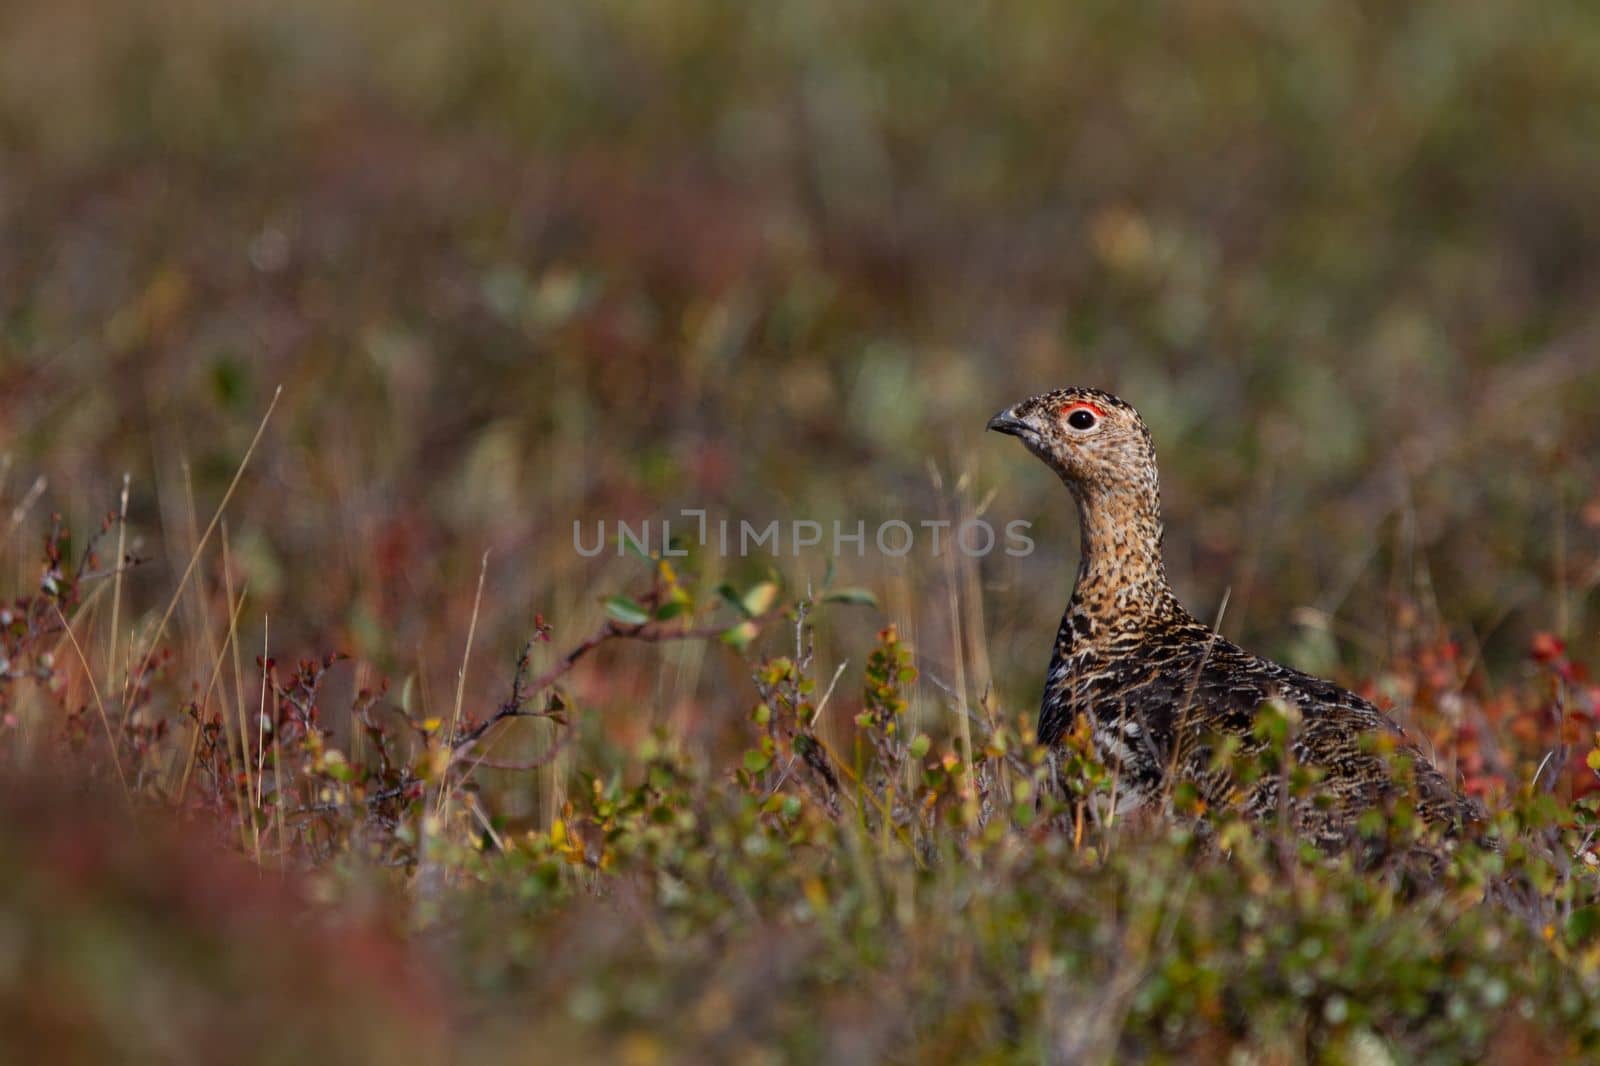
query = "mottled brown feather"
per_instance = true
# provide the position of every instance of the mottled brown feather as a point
(1159, 687)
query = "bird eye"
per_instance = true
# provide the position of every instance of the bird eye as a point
(1081, 418)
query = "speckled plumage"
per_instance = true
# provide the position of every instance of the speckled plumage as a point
(1160, 687)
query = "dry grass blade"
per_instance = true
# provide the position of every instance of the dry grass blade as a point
(281, 812)
(105, 721)
(20, 511)
(116, 582)
(261, 725)
(461, 678)
(199, 548)
(958, 651)
(200, 710)
(242, 790)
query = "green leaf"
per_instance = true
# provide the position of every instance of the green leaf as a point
(1584, 924)
(626, 611)
(756, 761)
(740, 635)
(859, 596)
(671, 609)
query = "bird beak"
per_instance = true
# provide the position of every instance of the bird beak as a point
(1007, 422)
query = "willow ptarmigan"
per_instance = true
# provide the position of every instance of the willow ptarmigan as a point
(1160, 686)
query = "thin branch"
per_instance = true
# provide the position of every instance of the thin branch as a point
(537, 763)
(516, 705)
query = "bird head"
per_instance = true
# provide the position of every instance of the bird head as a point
(1090, 438)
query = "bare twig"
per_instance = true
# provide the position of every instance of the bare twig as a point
(522, 691)
(536, 763)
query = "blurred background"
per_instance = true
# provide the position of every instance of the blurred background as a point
(518, 265)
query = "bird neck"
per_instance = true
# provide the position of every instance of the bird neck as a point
(1122, 580)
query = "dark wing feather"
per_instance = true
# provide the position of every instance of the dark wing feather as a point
(1334, 734)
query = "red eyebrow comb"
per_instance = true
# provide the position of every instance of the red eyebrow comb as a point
(1085, 404)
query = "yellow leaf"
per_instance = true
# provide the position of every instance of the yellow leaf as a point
(759, 600)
